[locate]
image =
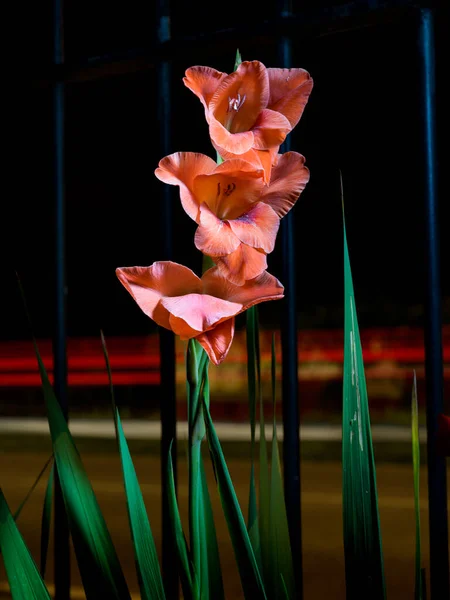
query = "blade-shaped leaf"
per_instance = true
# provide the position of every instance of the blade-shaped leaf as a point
(146, 557)
(364, 569)
(282, 580)
(24, 579)
(248, 568)
(46, 520)
(418, 586)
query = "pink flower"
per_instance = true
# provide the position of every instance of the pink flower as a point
(193, 307)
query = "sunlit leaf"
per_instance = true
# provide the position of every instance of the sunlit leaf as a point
(46, 520)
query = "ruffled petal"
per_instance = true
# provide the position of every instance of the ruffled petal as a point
(213, 236)
(260, 159)
(241, 96)
(231, 189)
(181, 168)
(203, 81)
(217, 341)
(260, 289)
(288, 180)
(147, 285)
(257, 228)
(236, 143)
(270, 130)
(199, 312)
(242, 264)
(289, 92)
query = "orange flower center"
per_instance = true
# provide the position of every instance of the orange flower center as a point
(219, 204)
(234, 104)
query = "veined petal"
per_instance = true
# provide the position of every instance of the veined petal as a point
(203, 81)
(241, 96)
(260, 289)
(147, 285)
(236, 143)
(257, 228)
(181, 168)
(217, 341)
(270, 129)
(213, 236)
(199, 312)
(242, 264)
(288, 180)
(231, 189)
(289, 92)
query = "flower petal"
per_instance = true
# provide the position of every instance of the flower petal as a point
(147, 285)
(217, 341)
(236, 143)
(270, 129)
(260, 159)
(242, 264)
(241, 96)
(203, 81)
(257, 228)
(181, 168)
(288, 180)
(213, 236)
(289, 92)
(231, 189)
(260, 289)
(199, 312)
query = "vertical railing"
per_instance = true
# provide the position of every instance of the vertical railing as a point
(61, 531)
(291, 419)
(166, 338)
(437, 481)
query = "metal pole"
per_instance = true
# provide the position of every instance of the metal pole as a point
(61, 533)
(291, 419)
(437, 482)
(166, 338)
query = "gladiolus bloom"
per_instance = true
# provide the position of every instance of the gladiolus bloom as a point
(253, 108)
(175, 298)
(238, 216)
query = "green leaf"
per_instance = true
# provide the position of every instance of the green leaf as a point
(24, 579)
(46, 520)
(418, 586)
(248, 568)
(146, 557)
(97, 559)
(282, 582)
(364, 569)
(187, 572)
(238, 60)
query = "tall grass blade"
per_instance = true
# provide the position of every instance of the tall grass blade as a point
(46, 521)
(248, 568)
(364, 569)
(97, 559)
(418, 586)
(146, 557)
(24, 579)
(282, 576)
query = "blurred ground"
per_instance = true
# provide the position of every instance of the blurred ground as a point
(321, 514)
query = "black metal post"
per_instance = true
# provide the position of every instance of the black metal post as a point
(167, 338)
(437, 482)
(61, 533)
(291, 419)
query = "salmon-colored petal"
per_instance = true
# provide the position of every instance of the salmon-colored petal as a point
(257, 228)
(217, 341)
(203, 81)
(260, 289)
(241, 96)
(270, 129)
(289, 92)
(242, 264)
(213, 236)
(199, 312)
(236, 143)
(147, 285)
(233, 187)
(181, 168)
(288, 180)
(260, 159)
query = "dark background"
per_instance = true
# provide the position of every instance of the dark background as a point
(363, 117)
